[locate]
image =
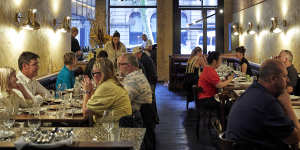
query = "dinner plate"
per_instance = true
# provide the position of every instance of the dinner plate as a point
(239, 92)
(294, 97)
(6, 134)
(75, 112)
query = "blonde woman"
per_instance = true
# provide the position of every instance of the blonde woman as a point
(12, 94)
(194, 64)
(108, 93)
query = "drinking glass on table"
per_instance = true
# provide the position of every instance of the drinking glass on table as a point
(9, 120)
(34, 124)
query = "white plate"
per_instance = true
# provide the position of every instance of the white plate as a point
(6, 134)
(75, 112)
(294, 97)
(239, 92)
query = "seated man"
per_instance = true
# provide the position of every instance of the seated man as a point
(29, 65)
(286, 57)
(263, 118)
(66, 75)
(134, 81)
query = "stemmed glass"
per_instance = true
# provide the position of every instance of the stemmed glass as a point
(34, 124)
(60, 89)
(108, 122)
(10, 120)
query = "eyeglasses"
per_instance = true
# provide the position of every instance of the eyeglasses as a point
(94, 73)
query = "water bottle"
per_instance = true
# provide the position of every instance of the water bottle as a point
(77, 87)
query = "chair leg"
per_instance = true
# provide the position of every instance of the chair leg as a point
(198, 124)
(187, 104)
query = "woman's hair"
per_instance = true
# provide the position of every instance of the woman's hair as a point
(241, 49)
(69, 58)
(102, 54)
(5, 73)
(116, 34)
(213, 56)
(195, 51)
(106, 67)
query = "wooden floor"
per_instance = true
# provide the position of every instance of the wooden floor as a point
(177, 127)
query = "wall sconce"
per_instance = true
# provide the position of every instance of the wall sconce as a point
(250, 30)
(30, 23)
(276, 26)
(236, 30)
(64, 26)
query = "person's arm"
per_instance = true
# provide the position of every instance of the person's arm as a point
(222, 84)
(285, 101)
(244, 68)
(41, 90)
(228, 55)
(22, 89)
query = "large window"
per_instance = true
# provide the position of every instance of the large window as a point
(197, 20)
(82, 11)
(132, 18)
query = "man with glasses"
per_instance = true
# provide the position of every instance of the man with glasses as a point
(286, 57)
(140, 93)
(29, 65)
(263, 117)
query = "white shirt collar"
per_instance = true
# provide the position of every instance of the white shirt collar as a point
(22, 77)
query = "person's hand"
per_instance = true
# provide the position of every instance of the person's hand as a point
(230, 77)
(84, 111)
(19, 86)
(87, 84)
(284, 99)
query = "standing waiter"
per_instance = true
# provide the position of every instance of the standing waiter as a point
(75, 44)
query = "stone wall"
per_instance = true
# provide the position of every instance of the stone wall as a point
(265, 44)
(45, 42)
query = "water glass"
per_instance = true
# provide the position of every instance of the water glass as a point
(9, 123)
(34, 124)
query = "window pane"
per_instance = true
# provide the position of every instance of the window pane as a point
(211, 40)
(198, 2)
(132, 23)
(211, 21)
(190, 17)
(190, 39)
(133, 2)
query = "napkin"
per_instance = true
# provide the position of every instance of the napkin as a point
(21, 143)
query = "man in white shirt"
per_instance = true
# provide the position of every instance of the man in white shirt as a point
(147, 45)
(29, 65)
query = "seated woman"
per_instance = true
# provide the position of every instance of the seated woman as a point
(66, 74)
(195, 63)
(240, 54)
(89, 66)
(12, 94)
(109, 94)
(209, 80)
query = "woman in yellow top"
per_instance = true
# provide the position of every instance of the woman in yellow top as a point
(12, 94)
(115, 48)
(109, 93)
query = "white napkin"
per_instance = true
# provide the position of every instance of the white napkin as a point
(21, 143)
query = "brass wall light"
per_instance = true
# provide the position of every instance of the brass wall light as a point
(250, 30)
(64, 26)
(236, 30)
(30, 22)
(276, 26)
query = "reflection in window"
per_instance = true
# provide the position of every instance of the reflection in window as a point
(133, 3)
(82, 11)
(198, 2)
(135, 28)
(153, 26)
(184, 32)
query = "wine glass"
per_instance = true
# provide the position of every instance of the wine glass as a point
(9, 121)
(34, 124)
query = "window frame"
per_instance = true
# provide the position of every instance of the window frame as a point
(204, 10)
(128, 6)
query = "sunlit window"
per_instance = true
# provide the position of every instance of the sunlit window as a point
(132, 18)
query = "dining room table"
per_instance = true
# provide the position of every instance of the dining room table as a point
(80, 138)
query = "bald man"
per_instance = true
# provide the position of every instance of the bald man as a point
(263, 118)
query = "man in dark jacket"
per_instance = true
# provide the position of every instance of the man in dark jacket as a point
(149, 71)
